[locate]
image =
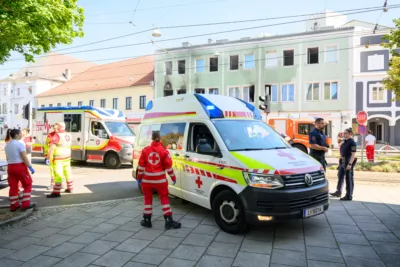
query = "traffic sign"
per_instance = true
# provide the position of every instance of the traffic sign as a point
(362, 129)
(362, 117)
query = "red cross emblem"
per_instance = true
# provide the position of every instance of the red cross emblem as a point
(154, 158)
(285, 155)
(199, 182)
(97, 142)
(67, 137)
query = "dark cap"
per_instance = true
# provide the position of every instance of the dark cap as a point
(155, 136)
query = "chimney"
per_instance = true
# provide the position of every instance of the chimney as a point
(185, 44)
(68, 74)
(210, 41)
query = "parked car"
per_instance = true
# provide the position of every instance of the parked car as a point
(3, 172)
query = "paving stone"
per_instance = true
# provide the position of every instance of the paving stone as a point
(133, 245)
(77, 260)
(181, 232)
(108, 214)
(86, 238)
(387, 248)
(348, 229)
(186, 252)
(64, 250)
(41, 261)
(376, 227)
(120, 220)
(8, 263)
(312, 263)
(255, 246)
(392, 225)
(245, 259)
(189, 223)
(289, 233)
(319, 232)
(324, 254)
(148, 234)
(117, 236)
(341, 221)
(223, 249)
(104, 228)
(131, 227)
(209, 220)
(4, 252)
(206, 230)
(198, 240)
(260, 234)
(22, 242)
(54, 240)
(15, 234)
(152, 256)
(351, 239)
(289, 244)
(321, 242)
(76, 230)
(214, 261)
(365, 219)
(365, 252)
(362, 262)
(228, 238)
(138, 264)
(114, 259)
(93, 221)
(177, 263)
(66, 223)
(390, 260)
(99, 247)
(166, 242)
(381, 237)
(36, 226)
(28, 253)
(98, 209)
(288, 257)
(46, 232)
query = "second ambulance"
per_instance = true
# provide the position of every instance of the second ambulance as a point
(227, 160)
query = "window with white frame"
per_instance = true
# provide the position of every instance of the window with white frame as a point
(168, 68)
(199, 91)
(313, 55)
(80, 103)
(249, 61)
(234, 62)
(312, 91)
(91, 103)
(248, 94)
(287, 93)
(115, 103)
(376, 62)
(271, 59)
(331, 54)
(58, 104)
(213, 91)
(200, 65)
(377, 93)
(288, 57)
(213, 64)
(234, 91)
(5, 108)
(68, 104)
(102, 103)
(272, 90)
(331, 90)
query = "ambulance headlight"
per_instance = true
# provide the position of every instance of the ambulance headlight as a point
(263, 180)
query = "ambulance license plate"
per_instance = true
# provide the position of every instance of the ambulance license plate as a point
(313, 211)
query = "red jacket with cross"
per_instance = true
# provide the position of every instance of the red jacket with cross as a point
(153, 163)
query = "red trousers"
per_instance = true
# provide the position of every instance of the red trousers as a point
(370, 150)
(18, 173)
(162, 190)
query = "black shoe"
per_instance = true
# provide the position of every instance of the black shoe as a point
(346, 198)
(68, 191)
(336, 194)
(14, 210)
(146, 222)
(170, 223)
(52, 195)
(31, 206)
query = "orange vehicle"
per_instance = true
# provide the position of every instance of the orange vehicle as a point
(298, 130)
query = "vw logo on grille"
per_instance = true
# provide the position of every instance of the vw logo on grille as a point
(308, 179)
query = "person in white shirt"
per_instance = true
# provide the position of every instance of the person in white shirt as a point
(369, 144)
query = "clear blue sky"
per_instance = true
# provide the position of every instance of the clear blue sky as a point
(153, 12)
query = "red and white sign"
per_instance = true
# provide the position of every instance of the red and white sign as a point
(362, 117)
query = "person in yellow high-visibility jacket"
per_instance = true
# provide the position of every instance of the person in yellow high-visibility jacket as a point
(60, 156)
(46, 151)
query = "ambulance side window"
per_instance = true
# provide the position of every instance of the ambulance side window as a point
(201, 132)
(98, 130)
(145, 134)
(172, 135)
(73, 123)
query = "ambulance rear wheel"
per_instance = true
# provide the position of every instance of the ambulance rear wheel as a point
(112, 161)
(229, 213)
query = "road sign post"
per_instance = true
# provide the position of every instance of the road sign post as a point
(362, 118)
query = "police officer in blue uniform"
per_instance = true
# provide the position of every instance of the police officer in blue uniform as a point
(317, 140)
(347, 161)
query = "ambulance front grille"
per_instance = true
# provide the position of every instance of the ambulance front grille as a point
(298, 180)
(292, 205)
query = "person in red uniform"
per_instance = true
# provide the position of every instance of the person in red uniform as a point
(153, 163)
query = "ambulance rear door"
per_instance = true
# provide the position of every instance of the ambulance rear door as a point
(75, 125)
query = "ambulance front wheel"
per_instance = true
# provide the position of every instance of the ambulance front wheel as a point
(112, 161)
(229, 213)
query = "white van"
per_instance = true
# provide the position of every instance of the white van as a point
(227, 160)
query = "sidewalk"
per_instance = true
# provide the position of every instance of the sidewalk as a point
(352, 233)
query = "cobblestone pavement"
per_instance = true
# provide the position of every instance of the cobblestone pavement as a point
(350, 234)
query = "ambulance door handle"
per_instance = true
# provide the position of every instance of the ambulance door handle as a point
(220, 168)
(187, 156)
(91, 139)
(177, 154)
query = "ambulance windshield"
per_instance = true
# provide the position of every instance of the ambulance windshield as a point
(119, 128)
(240, 135)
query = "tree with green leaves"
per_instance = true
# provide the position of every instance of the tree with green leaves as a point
(392, 82)
(33, 27)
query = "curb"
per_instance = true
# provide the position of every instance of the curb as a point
(15, 219)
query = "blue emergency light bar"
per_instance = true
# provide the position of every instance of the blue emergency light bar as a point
(103, 111)
(256, 112)
(212, 111)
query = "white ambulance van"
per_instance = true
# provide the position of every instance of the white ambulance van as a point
(98, 135)
(228, 160)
